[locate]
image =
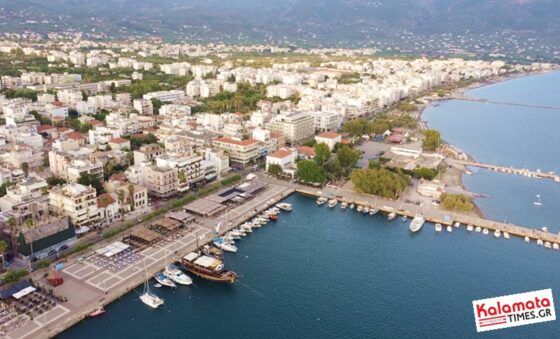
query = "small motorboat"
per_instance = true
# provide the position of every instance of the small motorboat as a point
(478, 229)
(527, 239)
(333, 203)
(404, 218)
(544, 229)
(391, 215)
(373, 211)
(506, 235)
(458, 224)
(485, 231)
(470, 227)
(321, 200)
(343, 205)
(97, 312)
(158, 285)
(547, 244)
(366, 210)
(352, 206)
(284, 206)
(359, 208)
(438, 227)
(539, 242)
(449, 229)
(555, 246)
(164, 280)
(497, 233)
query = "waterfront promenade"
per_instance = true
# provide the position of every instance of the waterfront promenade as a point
(87, 285)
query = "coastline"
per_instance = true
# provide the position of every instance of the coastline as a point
(460, 92)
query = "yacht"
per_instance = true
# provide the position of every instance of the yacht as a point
(417, 223)
(162, 279)
(284, 206)
(497, 233)
(100, 310)
(477, 229)
(149, 298)
(234, 234)
(321, 200)
(175, 274)
(391, 215)
(208, 268)
(449, 229)
(344, 205)
(211, 251)
(247, 228)
(221, 244)
(333, 203)
(485, 231)
(506, 235)
(438, 227)
(470, 228)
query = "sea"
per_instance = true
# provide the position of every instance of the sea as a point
(331, 273)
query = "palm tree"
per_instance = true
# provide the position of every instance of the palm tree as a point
(131, 196)
(120, 197)
(3, 250)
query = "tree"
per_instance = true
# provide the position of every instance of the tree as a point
(14, 276)
(357, 127)
(310, 143)
(347, 156)
(181, 176)
(380, 181)
(308, 171)
(156, 103)
(87, 179)
(131, 196)
(55, 181)
(275, 170)
(25, 168)
(3, 250)
(28, 222)
(431, 140)
(4, 189)
(322, 153)
(425, 173)
(456, 202)
(113, 87)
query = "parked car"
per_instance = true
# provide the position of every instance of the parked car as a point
(63, 248)
(51, 253)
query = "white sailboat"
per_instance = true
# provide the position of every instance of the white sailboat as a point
(538, 202)
(149, 298)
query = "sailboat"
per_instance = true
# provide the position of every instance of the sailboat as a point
(538, 202)
(148, 297)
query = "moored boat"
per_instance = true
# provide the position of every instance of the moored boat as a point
(221, 244)
(333, 203)
(208, 268)
(527, 239)
(352, 206)
(321, 200)
(438, 227)
(212, 251)
(404, 218)
(539, 242)
(478, 229)
(469, 227)
(497, 233)
(97, 312)
(343, 205)
(360, 208)
(485, 231)
(391, 215)
(457, 224)
(547, 244)
(506, 235)
(449, 229)
(176, 275)
(373, 211)
(417, 223)
(149, 298)
(284, 206)
(555, 246)
(164, 280)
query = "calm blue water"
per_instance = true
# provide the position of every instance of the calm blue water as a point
(323, 273)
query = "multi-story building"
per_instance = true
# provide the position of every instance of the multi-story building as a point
(327, 121)
(76, 201)
(161, 181)
(329, 138)
(295, 126)
(147, 153)
(239, 151)
(28, 198)
(143, 106)
(165, 96)
(189, 168)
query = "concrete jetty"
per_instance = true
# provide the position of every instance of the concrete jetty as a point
(430, 213)
(510, 170)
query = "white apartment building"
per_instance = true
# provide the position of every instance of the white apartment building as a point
(189, 168)
(76, 201)
(239, 151)
(165, 96)
(329, 138)
(143, 106)
(294, 126)
(327, 121)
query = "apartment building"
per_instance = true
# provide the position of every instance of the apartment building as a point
(295, 126)
(189, 168)
(76, 201)
(239, 151)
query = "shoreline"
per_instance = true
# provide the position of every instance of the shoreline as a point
(461, 91)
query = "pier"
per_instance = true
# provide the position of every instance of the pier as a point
(430, 213)
(88, 285)
(463, 97)
(509, 170)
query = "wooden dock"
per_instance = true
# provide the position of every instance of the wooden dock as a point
(434, 215)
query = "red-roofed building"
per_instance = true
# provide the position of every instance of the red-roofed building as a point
(329, 138)
(286, 159)
(119, 144)
(108, 208)
(79, 137)
(96, 123)
(239, 151)
(305, 152)
(48, 130)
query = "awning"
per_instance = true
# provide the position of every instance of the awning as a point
(24, 292)
(82, 230)
(112, 249)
